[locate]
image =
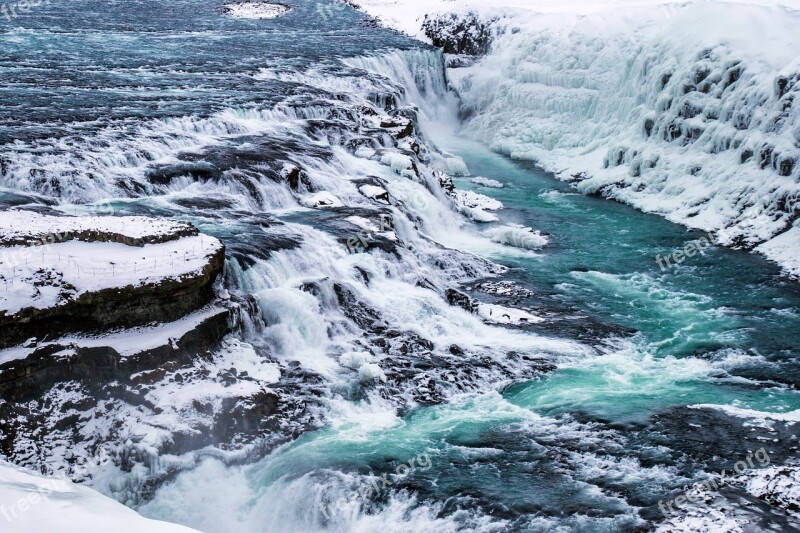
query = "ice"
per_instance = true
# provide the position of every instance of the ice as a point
(684, 109)
(518, 236)
(487, 182)
(476, 205)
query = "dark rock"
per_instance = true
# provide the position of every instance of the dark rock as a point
(24, 379)
(198, 171)
(458, 34)
(786, 165)
(459, 299)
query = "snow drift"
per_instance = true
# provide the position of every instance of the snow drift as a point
(32, 503)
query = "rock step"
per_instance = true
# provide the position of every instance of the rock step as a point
(27, 372)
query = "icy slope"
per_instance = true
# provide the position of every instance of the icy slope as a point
(685, 110)
(32, 503)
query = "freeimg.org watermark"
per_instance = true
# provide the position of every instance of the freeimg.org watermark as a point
(691, 249)
(694, 494)
(17, 9)
(328, 10)
(376, 484)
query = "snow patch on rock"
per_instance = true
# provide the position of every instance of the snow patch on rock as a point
(256, 10)
(487, 182)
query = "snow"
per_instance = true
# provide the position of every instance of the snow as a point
(475, 205)
(779, 485)
(18, 226)
(675, 108)
(49, 275)
(321, 199)
(785, 249)
(30, 503)
(128, 342)
(256, 10)
(173, 400)
(487, 182)
(378, 194)
(408, 15)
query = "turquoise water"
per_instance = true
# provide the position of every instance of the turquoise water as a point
(701, 326)
(592, 446)
(595, 444)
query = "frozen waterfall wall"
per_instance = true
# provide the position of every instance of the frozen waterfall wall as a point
(690, 111)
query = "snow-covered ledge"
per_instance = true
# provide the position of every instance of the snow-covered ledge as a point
(256, 10)
(60, 274)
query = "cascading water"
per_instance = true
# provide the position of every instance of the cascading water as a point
(366, 284)
(655, 107)
(319, 481)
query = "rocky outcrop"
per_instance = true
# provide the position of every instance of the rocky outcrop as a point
(90, 274)
(116, 307)
(95, 364)
(458, 34)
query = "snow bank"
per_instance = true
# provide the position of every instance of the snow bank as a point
(778, 485)
(128, 342)
(408, 15)
(30, 503)
(785, 249)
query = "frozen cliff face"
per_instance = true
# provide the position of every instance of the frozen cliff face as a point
(656, 108)
(686, 110)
